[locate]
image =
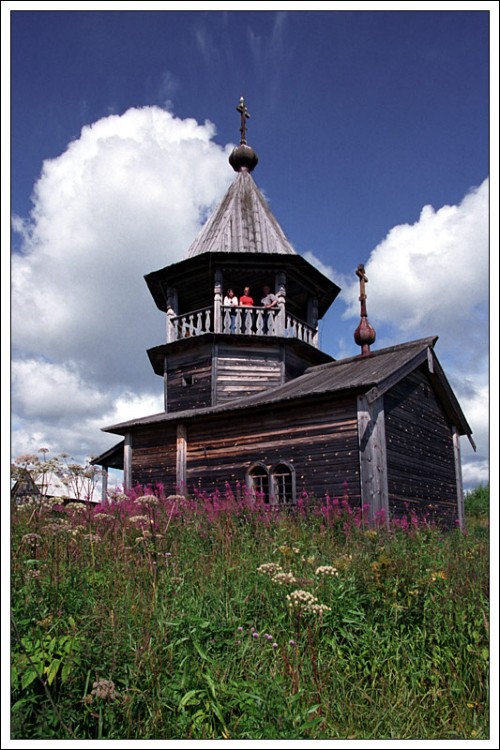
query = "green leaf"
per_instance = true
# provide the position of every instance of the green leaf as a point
(65, 671)
(53, 670)
(189, 699)
(28, 677)
(210, 683)
(200, 651)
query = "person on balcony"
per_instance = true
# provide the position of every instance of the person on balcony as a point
(246, 315)
(245, 298)
(268, 301)
(231, 301)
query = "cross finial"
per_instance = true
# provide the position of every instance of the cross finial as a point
(364, 335)
(360, 273)
(242, 108)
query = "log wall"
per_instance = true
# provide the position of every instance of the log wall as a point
(240, 373)
(154, 453)
(319, 441)
(189, 384)
(420, 454)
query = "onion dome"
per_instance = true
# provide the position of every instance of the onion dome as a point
(365, 334)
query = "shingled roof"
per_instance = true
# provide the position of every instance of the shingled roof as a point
(243, 222)
(371, 375)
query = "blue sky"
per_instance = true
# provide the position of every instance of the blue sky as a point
(372, 130)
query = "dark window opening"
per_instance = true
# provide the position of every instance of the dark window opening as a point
(259, 482)
(283, 485)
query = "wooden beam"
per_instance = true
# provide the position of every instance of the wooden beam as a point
(458, 473)
(104, 483)
(181, 458)
(127, 462)
(373, 458)
(165, 401)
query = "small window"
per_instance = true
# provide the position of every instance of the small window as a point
(187, 380)
(258, 481)
(283, 478)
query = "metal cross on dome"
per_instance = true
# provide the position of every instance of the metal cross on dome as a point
(242, 108)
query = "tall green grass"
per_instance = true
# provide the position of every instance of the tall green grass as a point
(174, 618)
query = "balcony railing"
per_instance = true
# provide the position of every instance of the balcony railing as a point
(246, 321)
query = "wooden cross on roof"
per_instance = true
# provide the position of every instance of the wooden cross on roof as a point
(242, 108)
(360, 273)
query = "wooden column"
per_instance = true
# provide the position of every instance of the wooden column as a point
(218, 302)
(458, 475)
(181, 458)
(104, 483)
(165, 402)
(373, 458)
(280, 320)
(127, 462)
(312, 317)
(172, 312)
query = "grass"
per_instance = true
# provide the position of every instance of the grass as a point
(172, 618)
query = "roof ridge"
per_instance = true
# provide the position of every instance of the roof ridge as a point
(424, 342)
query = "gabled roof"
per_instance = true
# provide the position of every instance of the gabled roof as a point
(43, 484)
(372, 376)
(243, 222)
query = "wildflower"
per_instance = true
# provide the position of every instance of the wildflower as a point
(76, 507)
(438, 574)
(326, 570)
(30, 538)
(269, 569)
(284, 578)
(305, 602)
(34, 574)
(139, 519)
(147, 501)
(291, 643)
(255, 635)
(275, 646)
(300, 599)
(240, 629)
(46, 622)
(92, 538)
(285, 549)
(104, 689)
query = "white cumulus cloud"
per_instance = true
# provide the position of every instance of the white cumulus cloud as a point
(432, 278)
(126, 198)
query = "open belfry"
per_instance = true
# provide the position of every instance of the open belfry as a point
(251, 400)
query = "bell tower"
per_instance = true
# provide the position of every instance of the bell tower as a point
(214, 353)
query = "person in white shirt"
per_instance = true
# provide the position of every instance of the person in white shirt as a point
(231, 300)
